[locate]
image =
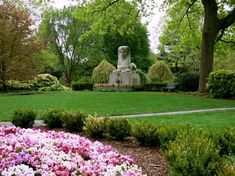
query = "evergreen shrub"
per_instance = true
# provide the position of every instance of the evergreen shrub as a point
(159, 72)
(119, 128)
(193, 153)
(96, 126)
(24, 118)
(222, 83)
(102, 71)
(187, 81)
(73, 121)
(146, 134)
(52, 118)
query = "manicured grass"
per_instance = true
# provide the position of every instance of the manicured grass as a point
(218, 119)
(105, 103)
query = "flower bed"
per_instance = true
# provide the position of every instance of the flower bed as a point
(113, 87)
(33, 152)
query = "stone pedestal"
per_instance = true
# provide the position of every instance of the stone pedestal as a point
(129, 77)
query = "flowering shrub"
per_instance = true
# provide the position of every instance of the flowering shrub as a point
(113, 87)
(32, 152)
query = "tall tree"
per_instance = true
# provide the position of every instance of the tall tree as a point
(17, 43)
(63, 34)
(218, 17)
(117, 23)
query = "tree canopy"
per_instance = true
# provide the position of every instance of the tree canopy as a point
(17, 43)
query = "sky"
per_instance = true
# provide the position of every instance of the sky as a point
(155, 23)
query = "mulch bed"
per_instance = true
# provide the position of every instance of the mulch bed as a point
(151, 160)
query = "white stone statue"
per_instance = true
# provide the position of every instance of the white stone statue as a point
(124, 59)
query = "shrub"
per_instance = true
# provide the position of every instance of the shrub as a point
(102, 71)
(52, 118)
(228, 168)
(160, 73)
(146, 134)
(45, 80)
(222, 83)
(24, 118)
(20, 85)
(73, 121)
(166, 135)
(84, 83)
(55, 87)
(187, 81)
(193, 153)
(119, 128)
(95, 126)
(225, 140)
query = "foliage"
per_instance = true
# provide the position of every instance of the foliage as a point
(85, 83)
(52, 118)
(217, 25)
(222, 83)
(45, 80)
(113, 87)
(146, 134)
(228, 168)
(20, 85)
(95, 126)
(18, 43)
(102, 71)
(225, 140)
(193, 153)
(73, 121)
(24, 118)
(55, 87)
(117, 29)
(160, 73)
(119, 128)
(166, 134)
(63, 33)
(187, 81)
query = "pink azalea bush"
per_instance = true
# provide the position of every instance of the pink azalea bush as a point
(33, 152)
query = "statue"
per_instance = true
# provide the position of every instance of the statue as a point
(124, 59)
(126, 71)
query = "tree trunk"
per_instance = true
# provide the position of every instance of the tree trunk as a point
(210, 30)
(3, 76)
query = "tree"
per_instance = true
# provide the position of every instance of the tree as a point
(63, 34)
(117, 29)
(218, 17)
(180, 45)
(17, 43)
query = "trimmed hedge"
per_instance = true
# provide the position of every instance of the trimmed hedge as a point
(24, 118)
(102, 71)
(160, 73)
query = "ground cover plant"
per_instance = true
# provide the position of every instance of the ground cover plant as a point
(32, 152)
(107, 103)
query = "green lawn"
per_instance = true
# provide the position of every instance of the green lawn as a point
(218, 119)
(116, 103)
